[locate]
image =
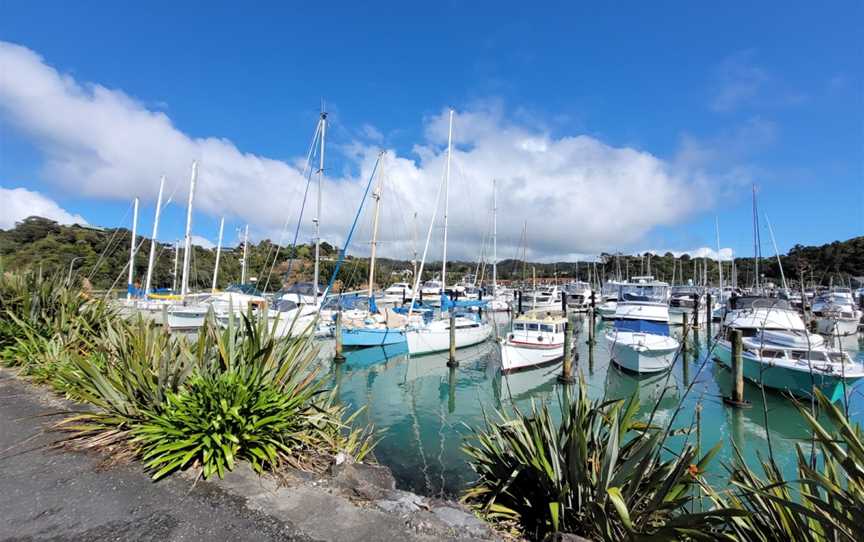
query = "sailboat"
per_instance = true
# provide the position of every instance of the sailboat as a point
(425, 337)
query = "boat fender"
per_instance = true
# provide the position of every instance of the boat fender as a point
(540, 338)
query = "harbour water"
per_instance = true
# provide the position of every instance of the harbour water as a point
(424, 410)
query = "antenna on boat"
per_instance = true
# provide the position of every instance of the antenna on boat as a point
(777, 253)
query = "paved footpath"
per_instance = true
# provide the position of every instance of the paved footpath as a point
(48, 494)
(57, 495)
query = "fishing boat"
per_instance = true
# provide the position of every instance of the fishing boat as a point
(639, 339)
(779, 353)
(535, 338)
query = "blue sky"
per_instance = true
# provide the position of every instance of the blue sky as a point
(719, 96)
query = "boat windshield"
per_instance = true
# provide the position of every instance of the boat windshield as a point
(684, 290)
(755, 302)
(285, 305)
(302, 288)
(650, 293)
(248, 289)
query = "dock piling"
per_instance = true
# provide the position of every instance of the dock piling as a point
(451, 361)
(566, 376)
(338, 357)
(737, 399)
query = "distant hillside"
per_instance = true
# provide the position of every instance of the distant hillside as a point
(101, 255)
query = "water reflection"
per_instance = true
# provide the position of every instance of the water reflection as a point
(424, 408)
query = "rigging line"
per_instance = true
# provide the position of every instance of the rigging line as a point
(110, 241)
(350, 232)
(305, 197)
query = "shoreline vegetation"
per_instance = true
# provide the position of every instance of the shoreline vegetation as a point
(229, 395)
(240, 395)
(102, 255)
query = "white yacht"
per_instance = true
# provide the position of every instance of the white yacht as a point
(434, 336)
(544, 297)
(835, 313)
(578, 296)
(640, 340)
(683, 302)
(779, 353)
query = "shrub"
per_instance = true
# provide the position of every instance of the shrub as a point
(598, 473)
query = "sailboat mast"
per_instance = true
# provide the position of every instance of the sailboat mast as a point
(756, 249)
(132, 248)
(176, 263)
(414, 247)
(187, 246)
(218, 254)
(494, 240)
(776, 252)
(446, 201)
(152, 258)
(246, 256)
(719, 256)
(376, 195)
(317, 220)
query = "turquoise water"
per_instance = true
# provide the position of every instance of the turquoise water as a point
(424, 410)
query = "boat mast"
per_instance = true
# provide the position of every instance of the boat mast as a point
(757, 252)
(243, 267)
(719, 256)
(152, 258)
(187, 246)
(494, 240)
(218, 253)
(776, 252)
(414, 247)
(317, 220)
(446, 201)
(176, 263)
(132, 248)
(376, 195)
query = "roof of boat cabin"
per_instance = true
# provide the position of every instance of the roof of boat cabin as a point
(541, 316)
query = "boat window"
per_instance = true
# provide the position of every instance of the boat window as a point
(285, 305)
(519, 327)
(532, 327)
(836, 357)
(547, 328)
(772, 354)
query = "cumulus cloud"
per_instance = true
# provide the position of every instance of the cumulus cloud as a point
(17, 204)
(203, 242)
(576, 193)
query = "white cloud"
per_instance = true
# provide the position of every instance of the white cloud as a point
(203, 242)
(17, 204)
(577, 194)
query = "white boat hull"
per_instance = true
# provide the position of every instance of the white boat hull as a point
(436, 337)
(642, 352)
(515, 357)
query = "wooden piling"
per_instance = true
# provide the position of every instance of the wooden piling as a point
(592, 315)
(685, 362)
(519, 303)
(737, 398)
(451, 361)
(338, 357)
(695, 311)
(451, 392)
(566, 376)
(564, 303)
(708, 316)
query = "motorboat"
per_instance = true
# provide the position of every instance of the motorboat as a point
(434, 336)
(544, 297)
(684, 301)
(779, 353)
(535, 338)
(639, 338)
(835, 313)
(578, 296)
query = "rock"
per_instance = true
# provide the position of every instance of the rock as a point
(368, 482)
(566, 537)
(401, 502)
(461, 519)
